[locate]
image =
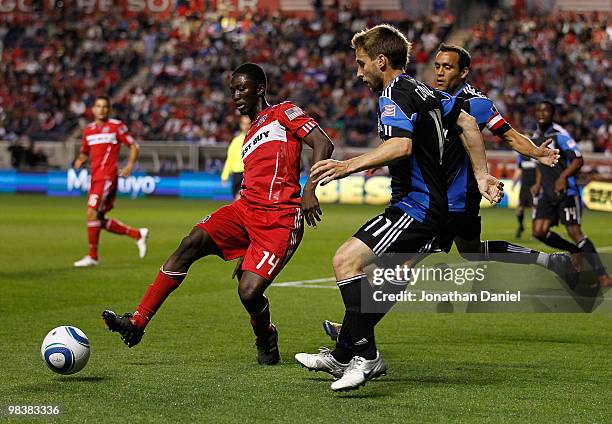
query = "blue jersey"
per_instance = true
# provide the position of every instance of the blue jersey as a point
(568, 151)
(463, 191)
(408, 108)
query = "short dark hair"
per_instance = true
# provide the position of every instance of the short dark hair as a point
(387, 40)
(550, 103)
(102, 97)
(465, 59)
(254, 72)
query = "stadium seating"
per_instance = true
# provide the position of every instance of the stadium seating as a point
(53, 67)
(309, 62)
(519, 58)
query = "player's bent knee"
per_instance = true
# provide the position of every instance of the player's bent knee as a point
(92, 214)
(194, 246)
(346, 263)
(249, 289)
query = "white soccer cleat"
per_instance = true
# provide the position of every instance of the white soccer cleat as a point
(142, 242)
(86, 261)
(322, 361)
(359, 371)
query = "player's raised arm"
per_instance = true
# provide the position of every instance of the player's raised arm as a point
(490, 187)
(322, 148)
(522, 144)
(328, 170)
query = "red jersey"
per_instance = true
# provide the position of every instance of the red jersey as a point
(271, 155)
(101, 143)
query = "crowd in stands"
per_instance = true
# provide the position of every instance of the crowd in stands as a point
(310, 62)
(518, 59)
(53, 66)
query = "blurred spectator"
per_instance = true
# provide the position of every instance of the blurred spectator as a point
(517, 59)
(309, 62)
(53, 66)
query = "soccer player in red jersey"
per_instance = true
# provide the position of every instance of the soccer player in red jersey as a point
(101, 143)
(264, 227)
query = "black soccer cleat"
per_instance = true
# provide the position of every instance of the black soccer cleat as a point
(561, 264)
(332, 329)
(122, 324)
(267, 348)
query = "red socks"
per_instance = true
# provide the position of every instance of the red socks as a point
(93, 235)
(117, 227)
(156, 294)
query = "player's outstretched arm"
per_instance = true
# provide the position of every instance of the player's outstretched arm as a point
(127, 169)
(522, 144)
(489, 186)
(387, 152)
(322, 148)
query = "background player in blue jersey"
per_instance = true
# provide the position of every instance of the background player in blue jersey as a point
(412, 120)
(557, 197)
(525, 172)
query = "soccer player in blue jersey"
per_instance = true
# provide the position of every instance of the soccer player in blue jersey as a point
(556, 193)
(412, 120)
(463, 226)
(451, 68)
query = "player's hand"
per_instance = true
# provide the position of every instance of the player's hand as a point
(125, 172)
(535, 189)
(491, 188)
(546, 155)
(77, 164)
(238, 269)
(560, 186)
(328, 170)
(311, 208)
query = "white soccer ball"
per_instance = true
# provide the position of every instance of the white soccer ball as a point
(65, 350)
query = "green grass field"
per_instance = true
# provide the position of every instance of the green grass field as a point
(197, 361)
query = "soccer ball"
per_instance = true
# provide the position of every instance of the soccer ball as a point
(65, 350)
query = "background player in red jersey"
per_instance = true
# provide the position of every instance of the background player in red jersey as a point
(102, 141)
(264, 227)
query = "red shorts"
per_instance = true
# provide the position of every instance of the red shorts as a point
(267, 239)
(102, 195)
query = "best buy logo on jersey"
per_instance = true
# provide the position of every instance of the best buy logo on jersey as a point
(133, 185)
